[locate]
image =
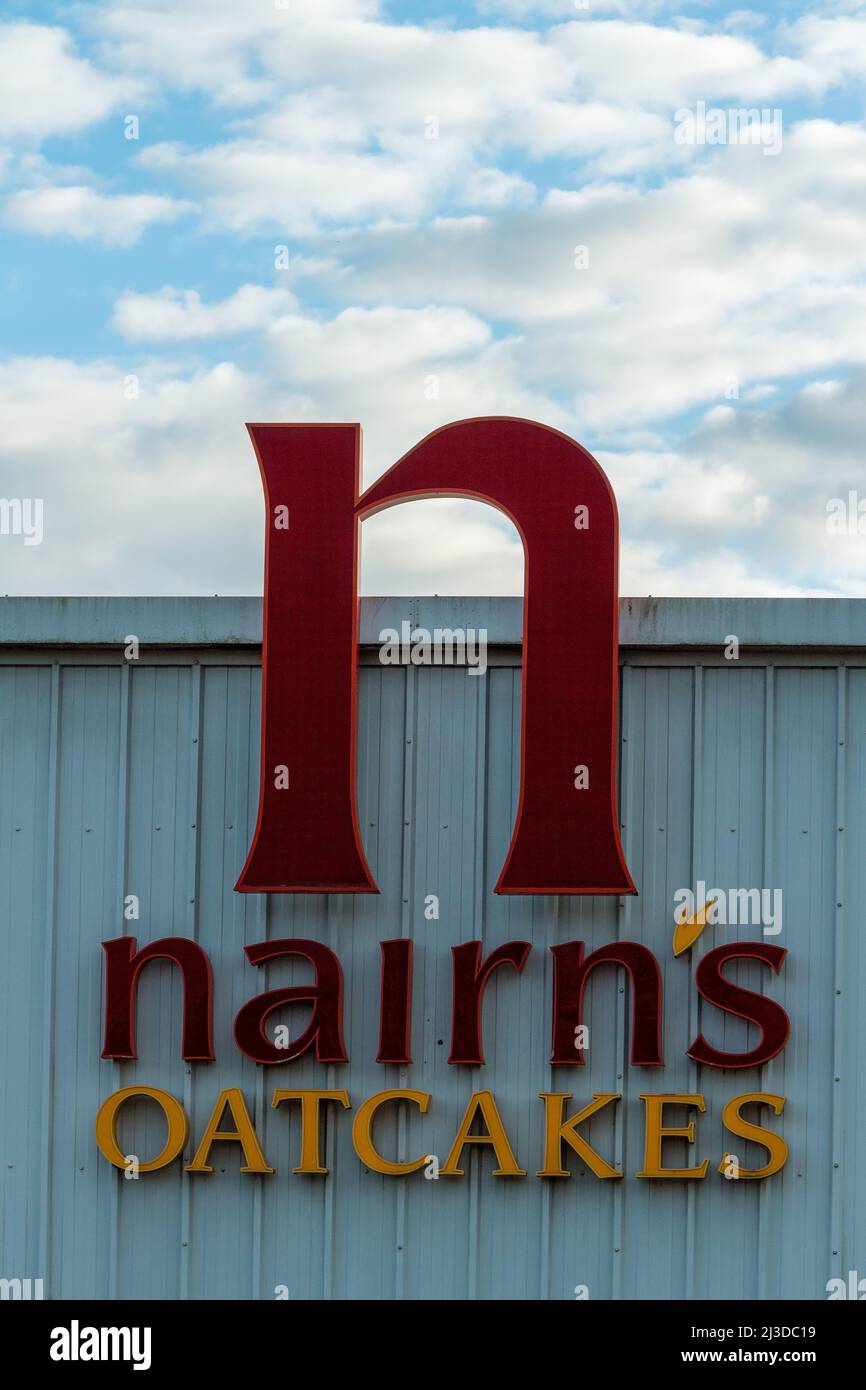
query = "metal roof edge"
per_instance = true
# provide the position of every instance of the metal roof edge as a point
(792, 623)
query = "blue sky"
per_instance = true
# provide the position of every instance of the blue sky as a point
(431, 171)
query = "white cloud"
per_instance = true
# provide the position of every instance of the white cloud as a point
(359, 343)
(155, 494)
(712, 286)
(565, 9)
(741, 506)
(85, 215)
(210, 45)
(355, 119)
(440, 546)
(170, 498)
(46, 89)
(662, 67)
(247, 184)
(753, 269)
(174, 315)
(836, 46)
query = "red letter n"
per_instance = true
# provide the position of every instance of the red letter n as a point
(570, 974)
(122, 968)
(566, 832)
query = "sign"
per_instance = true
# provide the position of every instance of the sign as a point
(565, 839)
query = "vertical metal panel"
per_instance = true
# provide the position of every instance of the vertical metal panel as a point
(729, 823)
(741, 774)
(804, 851)
(28, 742)
(850, 1091)
(655, 1215)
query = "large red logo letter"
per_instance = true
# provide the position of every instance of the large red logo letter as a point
(566, 834)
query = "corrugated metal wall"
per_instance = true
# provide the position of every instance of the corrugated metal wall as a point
(141, 777)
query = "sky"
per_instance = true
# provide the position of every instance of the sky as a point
(406, 214)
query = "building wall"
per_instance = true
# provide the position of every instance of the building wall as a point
(141, 777)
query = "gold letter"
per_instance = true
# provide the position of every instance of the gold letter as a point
(310, 1113)
(362, 1133)
(773, 1143)
(483, 1101)
(106, 1120)
(656, 1132)
(243, 1134)
(556, 1130)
